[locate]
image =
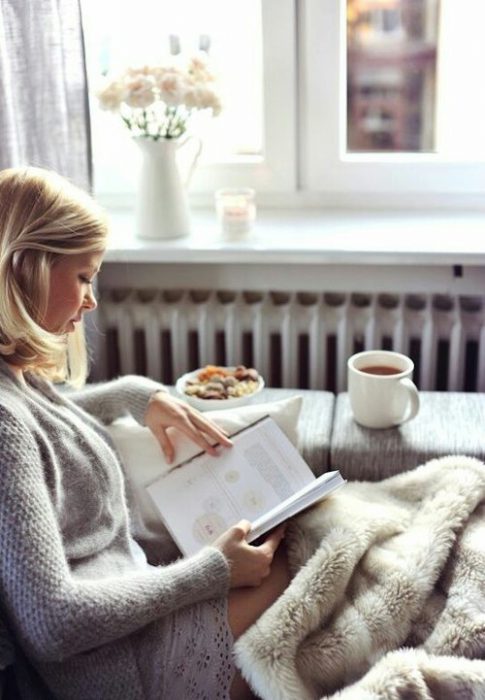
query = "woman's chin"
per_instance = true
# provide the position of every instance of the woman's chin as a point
(67, 328)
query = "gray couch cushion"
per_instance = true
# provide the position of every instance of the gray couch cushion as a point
(447, 423)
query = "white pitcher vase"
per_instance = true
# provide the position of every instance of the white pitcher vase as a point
(162, 208)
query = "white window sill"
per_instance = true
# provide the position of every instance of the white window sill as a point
(315, 236)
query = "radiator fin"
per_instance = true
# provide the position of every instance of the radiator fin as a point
(300, 340)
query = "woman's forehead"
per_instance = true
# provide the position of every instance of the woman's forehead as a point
(81, 260)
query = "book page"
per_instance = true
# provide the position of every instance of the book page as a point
(203, 498)
(318, 489)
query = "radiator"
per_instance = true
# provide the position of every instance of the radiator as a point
(299, 340)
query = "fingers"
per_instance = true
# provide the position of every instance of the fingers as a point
(166, 411)
(249, 565)
(188, 428)
(211, 429)
(165, 443)
(273, 540)
(244, 526)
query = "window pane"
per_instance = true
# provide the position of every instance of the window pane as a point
(133, 33)
(392, 75)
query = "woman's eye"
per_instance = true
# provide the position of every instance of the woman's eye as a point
(85, 280)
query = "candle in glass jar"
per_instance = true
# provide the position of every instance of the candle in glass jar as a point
(236, 211)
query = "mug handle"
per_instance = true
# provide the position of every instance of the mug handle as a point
(413, 395)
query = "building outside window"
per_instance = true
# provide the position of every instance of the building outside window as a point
(391, 75)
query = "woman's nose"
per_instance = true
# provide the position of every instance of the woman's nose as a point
(90, 302)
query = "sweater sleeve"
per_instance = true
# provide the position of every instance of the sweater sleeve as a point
(110, 400)
(54, 614)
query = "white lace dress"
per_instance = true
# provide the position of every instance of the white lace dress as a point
(196, 663)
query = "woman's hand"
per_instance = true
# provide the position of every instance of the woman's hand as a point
(165, 411)
(249, 564)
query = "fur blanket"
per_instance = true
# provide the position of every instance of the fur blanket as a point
(388, 595)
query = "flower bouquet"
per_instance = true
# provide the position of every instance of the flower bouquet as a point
(157, 101)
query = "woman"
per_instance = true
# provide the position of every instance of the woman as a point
(91, 615)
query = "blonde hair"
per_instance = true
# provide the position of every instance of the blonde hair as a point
(42, 216)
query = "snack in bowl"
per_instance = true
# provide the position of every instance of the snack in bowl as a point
(212, 384)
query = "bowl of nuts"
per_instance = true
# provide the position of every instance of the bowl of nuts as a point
(214, 387)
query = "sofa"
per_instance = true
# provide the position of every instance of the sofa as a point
(328, 438)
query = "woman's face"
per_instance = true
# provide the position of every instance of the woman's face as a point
(71, 291)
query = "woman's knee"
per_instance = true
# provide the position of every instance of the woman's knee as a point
(246, 605)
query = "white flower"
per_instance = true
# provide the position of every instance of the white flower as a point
(202, 97)
(139, 91)
(198, 69)
(157, 101)
(159, 71)
(172, 88)
(111, 95)
(135, 72)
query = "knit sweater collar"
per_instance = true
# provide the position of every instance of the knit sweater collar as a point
(32, 381)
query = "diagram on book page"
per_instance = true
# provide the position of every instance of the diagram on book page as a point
(202, 499)
(208, 526)
(211, 523)
(230, 495)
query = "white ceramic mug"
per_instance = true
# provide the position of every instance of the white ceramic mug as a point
(381, 392)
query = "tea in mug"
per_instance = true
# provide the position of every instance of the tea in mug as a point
(380, 370)
(381, 392)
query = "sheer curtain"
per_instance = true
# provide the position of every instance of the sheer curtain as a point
(44, 114)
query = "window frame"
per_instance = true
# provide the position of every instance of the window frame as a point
(276, 170)
(404, 179)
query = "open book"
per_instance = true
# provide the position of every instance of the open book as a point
(262, 478)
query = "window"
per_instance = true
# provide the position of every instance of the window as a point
(252, 141)
(393, 92)
(342, 102)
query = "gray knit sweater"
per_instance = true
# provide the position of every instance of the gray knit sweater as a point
(70, 588)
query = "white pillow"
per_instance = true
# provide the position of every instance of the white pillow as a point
(144, 461)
